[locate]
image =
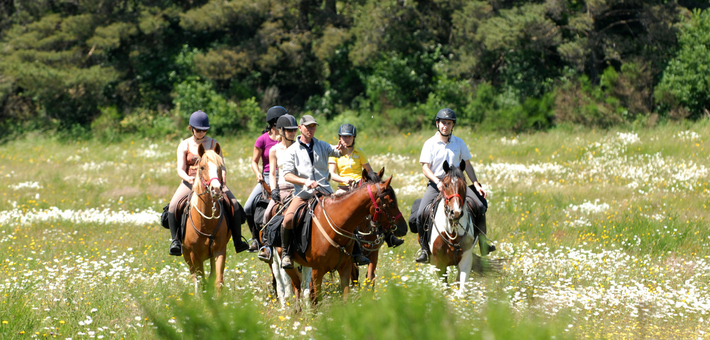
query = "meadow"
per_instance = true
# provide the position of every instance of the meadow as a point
(604, 234)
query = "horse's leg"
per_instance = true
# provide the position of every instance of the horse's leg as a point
(199, 275)
(344, 272)
(306, 278)
(316, 283)
(374, 256)
(213, 265)
(464, 269)
(219, 268)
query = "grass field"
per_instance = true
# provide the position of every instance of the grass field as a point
(605, 235)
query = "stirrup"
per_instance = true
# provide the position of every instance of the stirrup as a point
(175, 248)
(423, 257)
(264, 254)
(253, 245)
(286, 262)
(361, 260)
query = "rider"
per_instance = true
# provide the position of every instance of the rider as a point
(306, 166)
(444, 146)
(347, 169)
(268, 138)
(287, 127)
(187, 163)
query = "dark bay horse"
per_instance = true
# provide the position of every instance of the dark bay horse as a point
(207, 233)
(335, 220)
(372, 237)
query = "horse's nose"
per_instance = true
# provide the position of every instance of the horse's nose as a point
(456, 214)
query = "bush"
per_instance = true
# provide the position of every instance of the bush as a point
(225, 116)
(684, 89)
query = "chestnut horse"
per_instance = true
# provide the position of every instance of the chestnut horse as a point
(335, 220)
(452, 235)
(206, 232)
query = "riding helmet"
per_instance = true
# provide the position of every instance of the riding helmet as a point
(286, 121)
(447, 114)
(347, 130)
(274, 113)
(199, 120)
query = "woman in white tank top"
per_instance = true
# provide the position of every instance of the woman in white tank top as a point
(287, 128)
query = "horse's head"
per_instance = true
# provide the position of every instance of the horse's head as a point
(384, 210)
(210, 170)
(454, 192)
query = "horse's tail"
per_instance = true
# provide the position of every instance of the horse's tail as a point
(484, 266)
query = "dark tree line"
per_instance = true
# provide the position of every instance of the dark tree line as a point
(142, 65)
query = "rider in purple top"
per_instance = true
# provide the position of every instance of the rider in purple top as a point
(269, 138)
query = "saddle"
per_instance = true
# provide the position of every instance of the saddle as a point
(182, 213)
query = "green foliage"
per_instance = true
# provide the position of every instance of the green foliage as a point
(225, 116)
(417, 312)
(684, 89)
(207, 317)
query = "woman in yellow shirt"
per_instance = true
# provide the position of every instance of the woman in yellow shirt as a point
(347, 169)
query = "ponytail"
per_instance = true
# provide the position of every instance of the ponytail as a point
(266, 129)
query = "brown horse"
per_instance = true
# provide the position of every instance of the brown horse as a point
(207, 233)
(452, 235)
(371, 238)
(335, 220)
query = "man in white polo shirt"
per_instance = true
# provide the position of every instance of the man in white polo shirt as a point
(444, 146)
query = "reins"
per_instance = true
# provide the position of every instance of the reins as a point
(219, 217)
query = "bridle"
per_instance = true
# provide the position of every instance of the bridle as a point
(378, 211)
(216, 196)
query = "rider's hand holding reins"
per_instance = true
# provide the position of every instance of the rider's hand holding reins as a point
(311, 184)
(479, 189)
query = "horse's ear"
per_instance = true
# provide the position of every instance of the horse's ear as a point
(381, 173)
(365, 174)
(218, 149)
(387, 182)
(201, 150)
(446, 167)
(462, 165)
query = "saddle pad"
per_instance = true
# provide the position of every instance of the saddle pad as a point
(272, 231)
(260, 205)
(303, 220)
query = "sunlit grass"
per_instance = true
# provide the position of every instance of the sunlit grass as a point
(606, 228)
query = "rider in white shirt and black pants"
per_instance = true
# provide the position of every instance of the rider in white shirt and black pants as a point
(444, 146)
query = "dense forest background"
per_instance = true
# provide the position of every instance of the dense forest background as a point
(111, 67)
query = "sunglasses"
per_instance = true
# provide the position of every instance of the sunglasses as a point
(198, 130)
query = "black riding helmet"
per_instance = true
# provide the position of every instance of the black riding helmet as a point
(347, 130)
(447, 114)
(287, 121)
(274, 113)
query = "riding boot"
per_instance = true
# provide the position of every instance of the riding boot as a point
(424, 253)
(175, 245)
(254, 242)
(239, 244)
(358, 257)
(286, 245)
(393, 241)
(483, 242)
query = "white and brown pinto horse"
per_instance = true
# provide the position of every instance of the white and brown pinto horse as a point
(452, 235)
(206, 232)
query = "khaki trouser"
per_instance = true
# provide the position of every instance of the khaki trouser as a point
(288, 216)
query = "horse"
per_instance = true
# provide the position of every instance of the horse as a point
(335, 220)
(281, 282)
(371, 238)
(206, 232)
(453, 235)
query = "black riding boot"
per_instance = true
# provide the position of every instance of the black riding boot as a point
(236, 226)
(393, 241)
(254, 242)
(175, 245)
(424, 253)
(286, 262)
(358, 257)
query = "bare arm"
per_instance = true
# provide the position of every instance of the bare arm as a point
(181, 165)
(291, 178)
(472, 175)
(334, 174)
(272, 161)
(224, 168)
(255, 158)
(430, 175)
